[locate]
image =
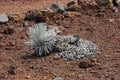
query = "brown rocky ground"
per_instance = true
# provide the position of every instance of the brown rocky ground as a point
(21, 6)
(101, 27)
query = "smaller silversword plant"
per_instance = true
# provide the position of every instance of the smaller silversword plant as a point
(42, 39)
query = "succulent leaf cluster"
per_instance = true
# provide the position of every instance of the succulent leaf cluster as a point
(42, 40)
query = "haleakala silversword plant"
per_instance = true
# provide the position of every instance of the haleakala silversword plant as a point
(45, 40)
(42, 39)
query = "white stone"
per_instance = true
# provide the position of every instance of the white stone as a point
(3, 18)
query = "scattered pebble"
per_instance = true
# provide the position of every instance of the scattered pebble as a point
(3, 18)
(9, 31)
(75, 8)
(17, 17)
(85, 64)
(58, 16)
(111, 20)
(33, 67)
(40, 19)
(71, 3)
(71, 14)
(11, 71)
(57, 8)
(56, 57)
(115, 10)
(27, 77)
(112, 78)
(47, 12)
(58, 78)
(26, 24)
(32, 14)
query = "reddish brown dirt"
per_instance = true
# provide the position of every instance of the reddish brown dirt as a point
(18, 6)
(16, 62)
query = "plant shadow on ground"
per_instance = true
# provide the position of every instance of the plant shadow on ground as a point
(33, 56)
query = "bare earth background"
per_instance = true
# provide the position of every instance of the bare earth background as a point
(101, 27)
(18, 6)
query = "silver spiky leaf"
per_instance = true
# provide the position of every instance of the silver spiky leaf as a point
(42, 40)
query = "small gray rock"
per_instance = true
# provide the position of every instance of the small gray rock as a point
(58, 78)
(118, 2)
(57, 8)
(32, 14)
(115, 10)
(71, 3)
(3, 18)
(46, 10)
(26, 24)
(111, 20)
(85, 64)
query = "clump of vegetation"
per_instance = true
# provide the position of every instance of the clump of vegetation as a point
(42, 40)
(45, 40)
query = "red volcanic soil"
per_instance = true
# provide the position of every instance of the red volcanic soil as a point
(18, 6)
(100, 26)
